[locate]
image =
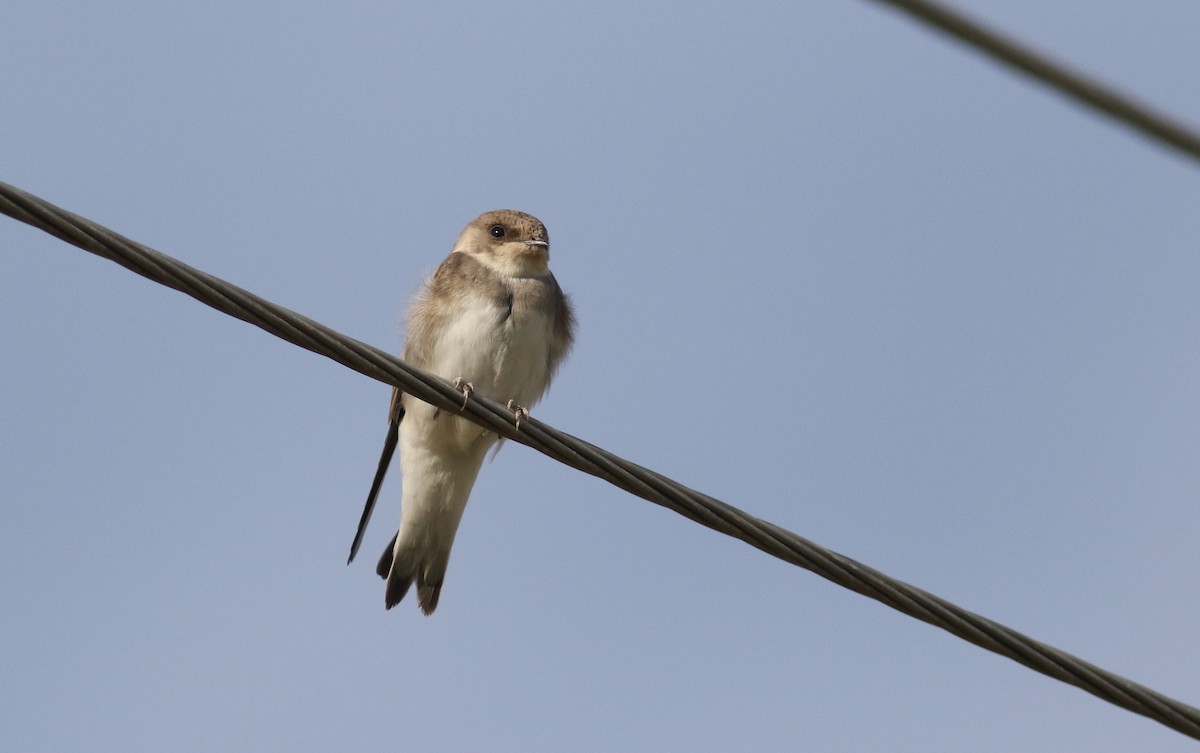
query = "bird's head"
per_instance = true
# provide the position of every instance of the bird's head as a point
(513, 243)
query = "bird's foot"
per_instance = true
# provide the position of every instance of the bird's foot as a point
(519, 412)
(466, 388)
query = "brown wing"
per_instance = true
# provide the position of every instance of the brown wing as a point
(564, 328)
(395, 416)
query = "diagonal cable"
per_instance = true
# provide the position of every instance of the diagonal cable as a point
(588, 458)
(1077, 86)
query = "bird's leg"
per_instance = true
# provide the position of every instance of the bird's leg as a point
(466, 389)
(518, 412)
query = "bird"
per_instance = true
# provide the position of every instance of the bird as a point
(493, 321)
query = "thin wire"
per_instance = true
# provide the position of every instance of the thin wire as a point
(588, 458)
(1077, 86)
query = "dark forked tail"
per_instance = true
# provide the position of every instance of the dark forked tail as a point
(400, 576)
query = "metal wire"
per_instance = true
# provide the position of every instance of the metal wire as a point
(588, 458)
(1075, 85)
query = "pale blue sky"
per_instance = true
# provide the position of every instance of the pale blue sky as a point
(829, 267)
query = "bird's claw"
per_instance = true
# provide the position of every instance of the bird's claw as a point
(466, 388)
(519, 412)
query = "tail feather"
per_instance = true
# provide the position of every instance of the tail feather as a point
(397, 587)
(385, 562)
(427, 595)
(400, 574)
(399, 579)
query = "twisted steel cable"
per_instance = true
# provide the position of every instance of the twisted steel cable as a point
(1084, 90)
(642, 482)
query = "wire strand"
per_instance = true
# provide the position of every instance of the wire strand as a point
(578, 454)
(1156, 126)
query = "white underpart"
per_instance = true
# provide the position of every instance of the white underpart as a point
(440, 457)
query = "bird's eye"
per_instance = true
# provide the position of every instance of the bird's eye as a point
(497, 231)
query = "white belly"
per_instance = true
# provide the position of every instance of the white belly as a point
(503, 359)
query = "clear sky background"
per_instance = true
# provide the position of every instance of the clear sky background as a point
(829, 267)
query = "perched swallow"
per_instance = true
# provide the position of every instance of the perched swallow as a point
(493, 320)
